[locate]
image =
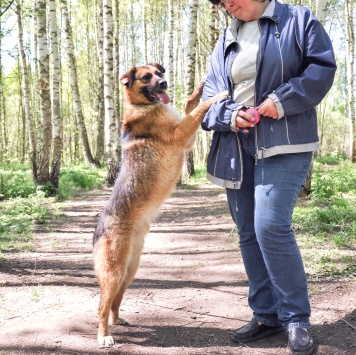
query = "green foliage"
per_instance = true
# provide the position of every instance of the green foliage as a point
(16, 220)
(326, 224)
(198, 178)
(24, 205)
(79, 177)
(329, 181)
(15, 181)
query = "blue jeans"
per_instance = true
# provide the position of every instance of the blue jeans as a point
(262, 210)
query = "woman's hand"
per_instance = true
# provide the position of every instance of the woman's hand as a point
(244, 120)
(268, 108)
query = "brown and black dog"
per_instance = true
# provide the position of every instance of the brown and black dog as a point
(154, 141)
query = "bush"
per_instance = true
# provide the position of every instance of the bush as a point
(16, 220)
(79, 177)
(15, 181)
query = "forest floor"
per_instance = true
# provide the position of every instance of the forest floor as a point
(188, 296)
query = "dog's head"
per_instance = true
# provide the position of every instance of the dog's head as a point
(146, 84)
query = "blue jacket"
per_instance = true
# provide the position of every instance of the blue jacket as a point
(296, 62)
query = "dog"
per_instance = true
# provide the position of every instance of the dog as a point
(154, 140)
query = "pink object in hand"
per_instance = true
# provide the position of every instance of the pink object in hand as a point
(254, 113)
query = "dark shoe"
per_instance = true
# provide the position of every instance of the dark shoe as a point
(253, 331)
(300, 341)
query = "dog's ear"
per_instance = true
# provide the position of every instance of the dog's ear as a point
(127, 79)
(159, 67)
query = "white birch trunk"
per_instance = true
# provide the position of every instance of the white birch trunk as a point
(350, 72)
(57, 122)
(170, 49)
(26, 95)
(74, 85)
(100, 138)
(110, 122)
(43, 88)
(320, 11)
(191, 48)
(188, 168)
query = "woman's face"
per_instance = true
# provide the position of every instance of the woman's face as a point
(245, 10)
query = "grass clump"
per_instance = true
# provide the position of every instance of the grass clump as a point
(325, 224)
(74, 178)
(22, 204)
(15, 181)
(17, 217)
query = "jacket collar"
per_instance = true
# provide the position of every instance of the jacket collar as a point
(272, 12)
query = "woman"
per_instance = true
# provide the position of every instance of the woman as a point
(278, 59)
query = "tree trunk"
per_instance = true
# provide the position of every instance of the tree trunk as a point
(3, 134)
(214, 30)
(188, 167)
(350, 67)
(100, 138)
(43, 88)
(56, 103)
(171, 48)
(26, 95)
(88, 157)
(321, 10)
(110, 121)
(116, 83)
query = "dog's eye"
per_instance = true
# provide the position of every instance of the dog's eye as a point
(159, 74)
(147, 77)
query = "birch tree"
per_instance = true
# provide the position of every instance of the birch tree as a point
(188, 168)
(100, 138)
(170, 48)
(111, 138)
(116, 81)
(321, 10)
(88, 157)
(57, 122)
(3, 133)
(213, 28)
(26, 95)
(43, 88)
(350, 72)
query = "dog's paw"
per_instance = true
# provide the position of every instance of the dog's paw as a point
(223, 95)
(120, 321)
(106, 341)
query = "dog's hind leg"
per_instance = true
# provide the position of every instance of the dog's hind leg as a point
(129, 275)
(110, 270)
(115, 308)
(109, 289)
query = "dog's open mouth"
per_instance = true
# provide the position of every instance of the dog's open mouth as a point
(161, 96)
(155, 96)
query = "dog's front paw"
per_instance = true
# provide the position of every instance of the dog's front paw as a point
(120, 321)
(223, 95)
(105, 341)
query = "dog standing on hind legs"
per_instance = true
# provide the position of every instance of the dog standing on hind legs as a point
(154, 140)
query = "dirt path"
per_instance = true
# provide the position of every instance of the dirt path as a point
(189, 292)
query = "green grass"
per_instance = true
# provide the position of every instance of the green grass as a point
(81, 177)
(22, 205)
(325, 223)
(15, 181)
(17, 217)
(198, 178)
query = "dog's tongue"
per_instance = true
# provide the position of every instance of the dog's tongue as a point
(164, 97)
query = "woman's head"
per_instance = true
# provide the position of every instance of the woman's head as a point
(245, 10)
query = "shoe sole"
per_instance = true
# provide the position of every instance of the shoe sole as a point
(257, 337)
